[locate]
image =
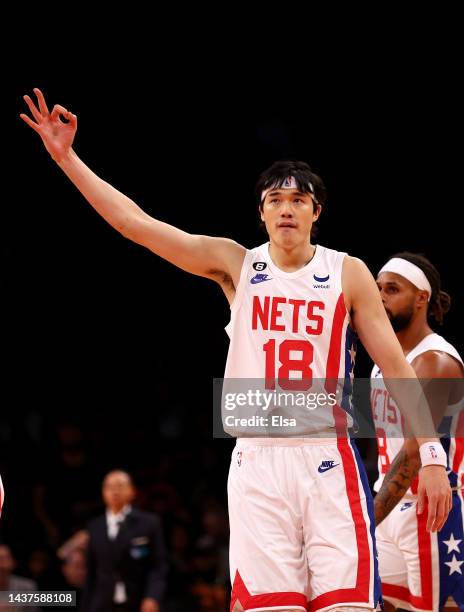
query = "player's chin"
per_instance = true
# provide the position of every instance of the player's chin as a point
(286, 235)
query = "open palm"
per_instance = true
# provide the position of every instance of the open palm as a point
(56, 135)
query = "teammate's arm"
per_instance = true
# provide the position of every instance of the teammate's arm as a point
(403, 469)
(217, 258)
(371, 323)
(436, 370)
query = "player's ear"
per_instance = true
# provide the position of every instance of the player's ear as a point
(422, 298)
(317, 212)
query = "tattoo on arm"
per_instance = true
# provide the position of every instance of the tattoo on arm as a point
(397, 481)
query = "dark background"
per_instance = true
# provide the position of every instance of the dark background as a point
(109, 352)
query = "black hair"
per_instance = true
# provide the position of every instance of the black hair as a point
(306, 181)
(440, 301)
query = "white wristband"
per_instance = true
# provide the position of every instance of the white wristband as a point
(432, 453)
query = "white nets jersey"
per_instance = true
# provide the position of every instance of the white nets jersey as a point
(389, 423)
(289, 331)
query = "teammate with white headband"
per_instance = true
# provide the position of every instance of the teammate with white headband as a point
(408, 270)
(419, 570)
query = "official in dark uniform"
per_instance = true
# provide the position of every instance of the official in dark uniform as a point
(126, 560)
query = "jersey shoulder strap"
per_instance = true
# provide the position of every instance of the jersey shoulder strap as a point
(433, 342)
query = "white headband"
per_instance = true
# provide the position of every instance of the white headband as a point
(289, 183)
(409, 271)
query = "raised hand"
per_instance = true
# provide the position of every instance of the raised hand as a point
(56, 135)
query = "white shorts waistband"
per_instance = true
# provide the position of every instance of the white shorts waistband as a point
(285, 441)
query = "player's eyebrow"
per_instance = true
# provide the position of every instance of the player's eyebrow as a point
(280, 191)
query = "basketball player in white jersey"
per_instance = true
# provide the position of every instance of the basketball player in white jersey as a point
(302, 532)
(419, 570)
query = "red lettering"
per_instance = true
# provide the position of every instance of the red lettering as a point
(391, 407)
(261, 313)
(267, 315)
(289, 365)
(274, 326)
(269, 349)
(374, 396)
(382, 448)
(295, 365)
(296, 312)
(385, 398)
(315, 331)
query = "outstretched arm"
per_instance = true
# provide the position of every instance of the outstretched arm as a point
(217, 258)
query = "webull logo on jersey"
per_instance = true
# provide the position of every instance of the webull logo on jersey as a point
(321, 282)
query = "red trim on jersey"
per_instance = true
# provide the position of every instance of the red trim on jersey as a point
(268, 600)
(333, 358)
(459, 452)
(425, 600)
(332, 371)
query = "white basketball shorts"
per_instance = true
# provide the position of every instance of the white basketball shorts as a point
(421, 570)
(301, 526)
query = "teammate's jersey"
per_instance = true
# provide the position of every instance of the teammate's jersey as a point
(290, 331)
(389, 423)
